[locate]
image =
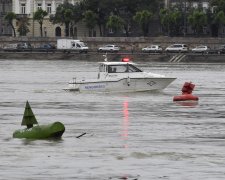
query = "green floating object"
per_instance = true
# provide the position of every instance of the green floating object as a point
(54, 130)
(28, 117)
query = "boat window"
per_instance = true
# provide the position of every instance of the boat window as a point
(110, 70)
(122, 68)
(101, 68)
(133, 68)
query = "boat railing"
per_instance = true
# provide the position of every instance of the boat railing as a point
(74, 80)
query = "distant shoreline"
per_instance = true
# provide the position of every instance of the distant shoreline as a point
(126, 43)
(94, 56)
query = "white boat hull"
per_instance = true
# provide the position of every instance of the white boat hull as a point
(122, 85)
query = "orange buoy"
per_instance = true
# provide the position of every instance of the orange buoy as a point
(185, 97)
(187, 89)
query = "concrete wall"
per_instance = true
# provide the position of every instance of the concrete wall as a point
(91, 57)
(125, 42)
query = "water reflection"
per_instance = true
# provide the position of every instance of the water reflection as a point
(125, 132)
(187, 103)
(50, 141)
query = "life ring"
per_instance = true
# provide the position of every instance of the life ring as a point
(185, 97)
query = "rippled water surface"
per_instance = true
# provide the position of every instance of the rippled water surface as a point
(128, 136)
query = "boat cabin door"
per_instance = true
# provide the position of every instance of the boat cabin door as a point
(103, 71)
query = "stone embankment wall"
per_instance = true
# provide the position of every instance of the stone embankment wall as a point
(126, 43)
(137, 57)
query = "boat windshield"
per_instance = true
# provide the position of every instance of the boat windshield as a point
(102, 68)
(123, 68)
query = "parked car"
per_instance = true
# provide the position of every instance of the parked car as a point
(46, 48)
(177, 48)
(201, 49)
(221, 49)
(109, 48)
(152, 49)
(10, 47)
(24, 46)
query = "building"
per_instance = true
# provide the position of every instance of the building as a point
(26, 8)
(198, 3)
(5, 7)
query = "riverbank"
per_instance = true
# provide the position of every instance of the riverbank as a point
(126, 43)
(93, 56)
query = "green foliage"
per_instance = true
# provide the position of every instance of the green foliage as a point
(39, 16)
(125, 9)
(197, 19)
(164, 19)
(90, 19)
(23, 26)
(115, 22)
(171, 21)
(218, 4)
(64, 15)
(121, 14)
(9, 17)
(219, 18)
(143, 18)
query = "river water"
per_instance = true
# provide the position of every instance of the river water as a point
(138, 136)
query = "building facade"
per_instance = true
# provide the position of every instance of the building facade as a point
(201, 3)
(26, 8)
(5, 7)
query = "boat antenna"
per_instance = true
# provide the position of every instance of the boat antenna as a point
(106, 58)
(28, 117)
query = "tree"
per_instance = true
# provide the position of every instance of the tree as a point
(176, 22)
(64, 15)
(23, 26)
(10, 16)
(143, 18)
(90, 18)
(197, 19)
(218, 5)
(102, 9)
(115, 23)
(39, 16)
(218, 20)
(165, 20)
(125, 9)
(217, 16)
(171, 20)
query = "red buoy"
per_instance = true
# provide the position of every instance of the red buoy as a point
(185, 97)
(187, 89)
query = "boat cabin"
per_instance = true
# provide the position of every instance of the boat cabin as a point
(112, 69)
(118, 67)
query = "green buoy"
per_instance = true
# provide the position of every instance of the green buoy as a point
(53, 130)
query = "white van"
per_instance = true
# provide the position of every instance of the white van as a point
(177, 48)
(69, 45)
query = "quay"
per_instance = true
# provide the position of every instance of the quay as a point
(130, 47)
(136, 56)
